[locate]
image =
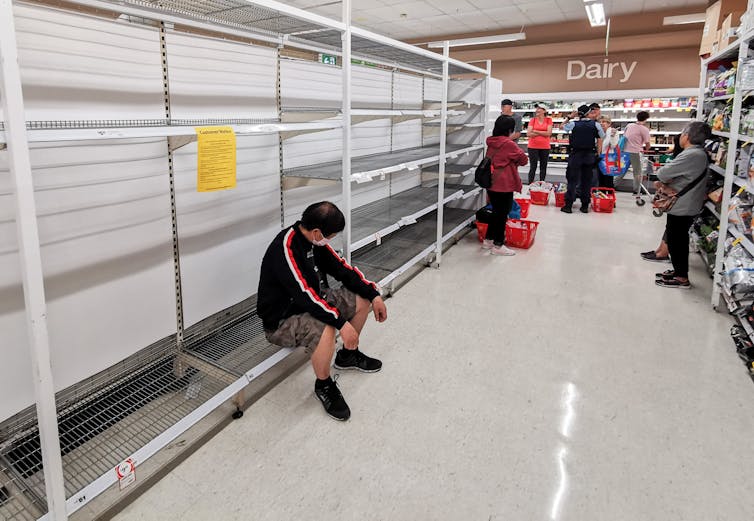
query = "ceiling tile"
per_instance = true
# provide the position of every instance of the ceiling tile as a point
(452, 6)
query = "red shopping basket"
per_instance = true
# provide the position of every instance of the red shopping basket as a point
(481, 230)
(524, 204)
(539, 197)
(559, 200)
(520, 233)
(603, 200)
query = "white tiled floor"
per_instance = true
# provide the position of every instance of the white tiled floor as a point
(560, 384)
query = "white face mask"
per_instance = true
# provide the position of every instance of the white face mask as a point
(324, 242)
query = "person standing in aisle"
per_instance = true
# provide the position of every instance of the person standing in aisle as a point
(538, 133)
(593, 113)
(506, 109)
(609, 142)
(688, 168)
(637, 141)
(661, 254)
(506, 157)
(585, 141)
(298, 308)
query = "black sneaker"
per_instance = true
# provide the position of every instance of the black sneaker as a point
(332, 400)
(355, 359)
(673, 283)
(651, 256)
(566, 209)
(584, 209)
(667, 274)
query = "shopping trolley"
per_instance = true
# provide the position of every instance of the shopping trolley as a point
(648, 164)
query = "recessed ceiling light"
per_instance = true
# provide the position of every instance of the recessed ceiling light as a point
(481, 40)
(596, 13)
(696, 18)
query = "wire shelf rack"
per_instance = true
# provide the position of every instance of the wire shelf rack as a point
(400, 247)
(107, 418)
(140, 123)
(373, 217)
(233, 13)
(373, 162)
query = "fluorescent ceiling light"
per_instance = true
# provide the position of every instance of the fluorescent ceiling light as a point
(482, 40)
(596, 13)
(695, 18)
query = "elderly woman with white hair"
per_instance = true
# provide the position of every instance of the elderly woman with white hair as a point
(689, 169)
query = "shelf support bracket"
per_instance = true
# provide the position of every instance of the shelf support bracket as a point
(176, 142)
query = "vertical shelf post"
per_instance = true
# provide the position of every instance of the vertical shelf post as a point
(346, 111)
(730, 167)
(31, 263)
(443, 147)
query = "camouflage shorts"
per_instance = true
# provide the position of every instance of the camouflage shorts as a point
(304, 330)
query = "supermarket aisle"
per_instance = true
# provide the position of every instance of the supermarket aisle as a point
(560, 384)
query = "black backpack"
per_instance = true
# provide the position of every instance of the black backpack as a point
(583, 135)
(483, 174)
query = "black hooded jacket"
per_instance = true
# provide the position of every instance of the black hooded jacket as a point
(290, 282)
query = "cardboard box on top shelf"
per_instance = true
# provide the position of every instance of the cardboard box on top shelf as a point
(725, 36)
(709, 32)
(715, 13)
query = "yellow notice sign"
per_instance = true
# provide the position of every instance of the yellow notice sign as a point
(216, 159)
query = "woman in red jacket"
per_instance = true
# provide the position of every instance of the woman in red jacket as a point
(506, 157)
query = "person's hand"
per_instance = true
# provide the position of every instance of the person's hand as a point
(380, 310)
(350, 336)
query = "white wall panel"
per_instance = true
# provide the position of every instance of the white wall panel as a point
(297, 199)
(371, 88)
(471, 91)
(76, 67)
(212, 78)
(370, 137)
(310, 84)
(407, 134)
(432, 89)
(405, 180)
(223, 235)
(104, 222)
(407, 91)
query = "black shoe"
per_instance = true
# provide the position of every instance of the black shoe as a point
(667, 275)
(332, 400)
(355, 359)
(651, 256)
(584, 209)
(673, 283)
(566, 209)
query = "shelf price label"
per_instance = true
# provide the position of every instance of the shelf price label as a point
(215, 159)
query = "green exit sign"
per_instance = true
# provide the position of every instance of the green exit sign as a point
(328, 59)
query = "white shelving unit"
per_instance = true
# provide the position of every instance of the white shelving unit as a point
(741, 52)
(144, 286)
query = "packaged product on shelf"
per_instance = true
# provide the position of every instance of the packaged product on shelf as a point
(739, 212)
(747, 121)
(738, 271)
(747, 75)
(716, 195)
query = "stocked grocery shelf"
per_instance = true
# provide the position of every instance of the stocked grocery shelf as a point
(726, 97)
(712, 209)
(717, 169)
(365, 168)
(717, 133)
(747, 244)
(373, 221)
(615, 109)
